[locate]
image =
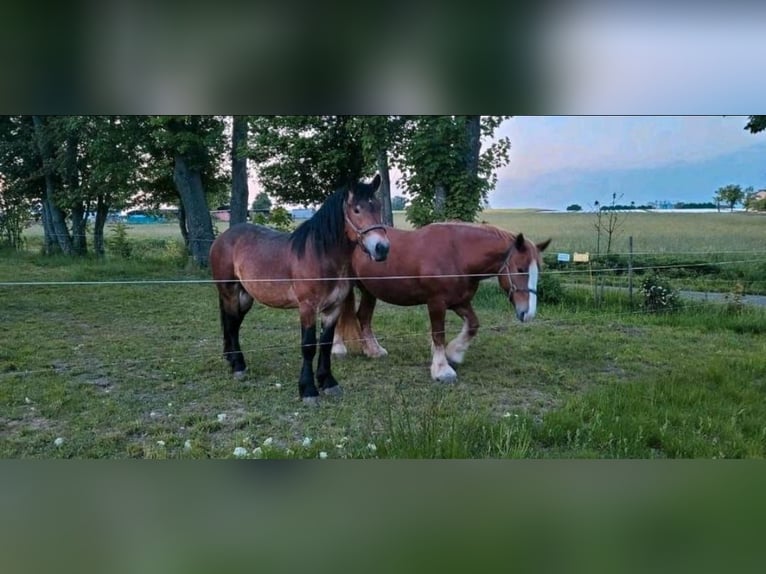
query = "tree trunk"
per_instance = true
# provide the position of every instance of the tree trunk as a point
(200, 227)
(78, 214)
(79, 217)
(239, 189)
(473, 145)
(182, 224)
(50, 243)
(385, 187)
(440, 202)
(56, 216)
(102, 210)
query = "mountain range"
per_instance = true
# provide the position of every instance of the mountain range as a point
(684, 181)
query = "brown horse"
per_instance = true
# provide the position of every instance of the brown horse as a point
(307, 269)
(440, 265)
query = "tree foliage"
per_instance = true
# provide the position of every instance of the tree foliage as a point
(444, 173)
(262, 202)
(756, 124)
(731, 195)
(303, 159)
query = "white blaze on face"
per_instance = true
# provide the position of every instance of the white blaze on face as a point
(532, 285)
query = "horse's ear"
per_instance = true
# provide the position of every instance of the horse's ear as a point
(350, 196)
(375, 183)
(543, 245)
(520, 244)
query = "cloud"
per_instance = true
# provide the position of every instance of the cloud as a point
(541, 145)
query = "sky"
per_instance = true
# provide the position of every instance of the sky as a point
(693, 153)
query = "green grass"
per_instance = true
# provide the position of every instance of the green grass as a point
(134, 370)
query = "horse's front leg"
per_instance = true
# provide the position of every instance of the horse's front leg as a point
(440, 368)
(459, 345)
(306, 388)
(327, 383)
(366, 308)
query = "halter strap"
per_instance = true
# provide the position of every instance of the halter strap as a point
(360, 232)
(506, 266)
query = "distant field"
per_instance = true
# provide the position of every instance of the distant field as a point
(652, 232)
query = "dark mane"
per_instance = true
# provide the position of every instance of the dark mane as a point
(326, 228)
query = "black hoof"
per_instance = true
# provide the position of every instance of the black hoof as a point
(311, 401)
(239, 375)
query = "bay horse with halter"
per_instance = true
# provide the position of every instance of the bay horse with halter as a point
(440, 265)
(307, 269)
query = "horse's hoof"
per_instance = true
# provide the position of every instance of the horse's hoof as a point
(339, 351)
(335, 392)
(311, 401)
(239, 375)
(446, 378)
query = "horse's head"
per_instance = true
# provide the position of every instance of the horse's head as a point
(364, 224)
(519, 273)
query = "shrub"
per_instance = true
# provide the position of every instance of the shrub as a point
(118, 243)
(549, 289)
(658, 295)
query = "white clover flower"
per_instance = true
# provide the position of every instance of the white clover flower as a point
(59, 441)
(240, 452)
(258, 452)
(306, 441)
(506, 415)
(27, 400)
(371, 446)
(278, 385)
(153, 414)
(323, 455)
(160, 443)
(187, 445)
(268, 441)
(221, 417)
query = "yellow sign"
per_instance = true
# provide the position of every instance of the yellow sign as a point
(581, 257)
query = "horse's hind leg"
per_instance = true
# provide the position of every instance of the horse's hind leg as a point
(366, 308)
(440, 368)
(234, 303)
(459, 345)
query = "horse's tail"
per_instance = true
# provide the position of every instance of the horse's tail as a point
(347, 329)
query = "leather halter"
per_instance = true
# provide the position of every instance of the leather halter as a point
(507, 267)
(360, 232)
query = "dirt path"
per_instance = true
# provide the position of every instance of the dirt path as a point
(759, 300)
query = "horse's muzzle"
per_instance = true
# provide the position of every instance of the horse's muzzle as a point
(381, 251)
(376, 247)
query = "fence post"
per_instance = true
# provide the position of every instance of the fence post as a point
(630, 270)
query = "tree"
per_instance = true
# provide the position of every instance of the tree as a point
(753, 203)
(756, 124)
(194, 145)
(398, 203)
(239, 189)
(609, 221)
(303, 159)
(574, 207)
(730, 194)
(262, 202)
(22, 185)
(444, 171)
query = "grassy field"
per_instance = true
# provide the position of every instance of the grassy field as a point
(134, 370)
